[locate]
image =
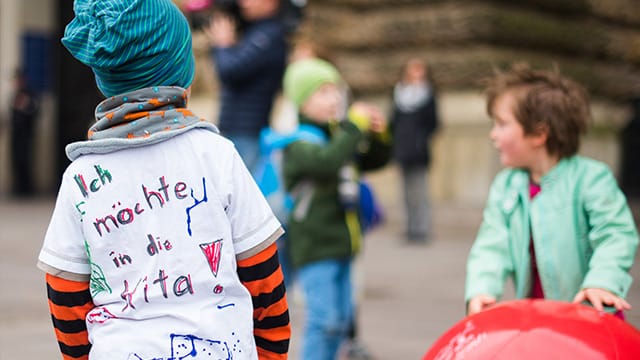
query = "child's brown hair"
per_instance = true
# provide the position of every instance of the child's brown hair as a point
(544, 101)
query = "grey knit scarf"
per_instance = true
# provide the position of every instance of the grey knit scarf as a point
(142, 117)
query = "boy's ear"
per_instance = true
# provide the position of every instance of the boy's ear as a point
(540, 135)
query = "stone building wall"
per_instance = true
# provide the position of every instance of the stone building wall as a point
(596, 42)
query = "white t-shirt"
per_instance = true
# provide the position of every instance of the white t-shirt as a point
(157, 229)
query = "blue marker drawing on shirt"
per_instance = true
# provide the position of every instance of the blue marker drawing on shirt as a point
(196, 203)
(193, 347)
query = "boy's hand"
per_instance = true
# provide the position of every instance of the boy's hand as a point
(367, 117)
(378, 121)
(359, 115)
(599, 297)
(221, 31)
(479, 303)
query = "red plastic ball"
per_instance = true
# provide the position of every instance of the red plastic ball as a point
(538, 329)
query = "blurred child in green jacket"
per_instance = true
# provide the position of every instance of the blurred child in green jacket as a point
(324, 229)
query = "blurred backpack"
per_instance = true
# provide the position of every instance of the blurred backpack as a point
(268, 173)
(371, 214)
(270, 180)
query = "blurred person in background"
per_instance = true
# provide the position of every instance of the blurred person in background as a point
(250, 63)
(324, 227)
(24, 113)
(413, 120)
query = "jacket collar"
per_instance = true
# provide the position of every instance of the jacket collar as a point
(556, 172)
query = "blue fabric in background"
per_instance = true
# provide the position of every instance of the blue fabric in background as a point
(371, 214)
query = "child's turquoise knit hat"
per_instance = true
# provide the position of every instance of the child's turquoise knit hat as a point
(303, 77)
(131, 44)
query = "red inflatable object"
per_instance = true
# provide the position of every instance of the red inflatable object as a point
(538, 329)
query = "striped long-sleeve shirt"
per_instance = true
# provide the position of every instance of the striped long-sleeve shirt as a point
(69, 303)
(262, 275)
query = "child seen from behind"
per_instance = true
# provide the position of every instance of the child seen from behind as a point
(160, 245)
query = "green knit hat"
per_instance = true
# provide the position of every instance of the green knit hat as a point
(302, 78)
(131, 44)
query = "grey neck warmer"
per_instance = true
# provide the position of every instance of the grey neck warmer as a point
(142, 117)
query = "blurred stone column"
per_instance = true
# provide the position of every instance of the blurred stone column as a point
(9, 48)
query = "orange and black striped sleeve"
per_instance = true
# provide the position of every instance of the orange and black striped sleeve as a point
(262, 276)
(69, 303)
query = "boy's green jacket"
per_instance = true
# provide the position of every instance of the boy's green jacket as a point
(323, 231)
(584, 233)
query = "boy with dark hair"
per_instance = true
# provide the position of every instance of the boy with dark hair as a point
(250, 65)
(555, 222)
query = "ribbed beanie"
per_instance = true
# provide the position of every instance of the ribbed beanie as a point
(303, 77)
(131, 44)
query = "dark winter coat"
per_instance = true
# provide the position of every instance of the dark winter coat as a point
(250, 75)
(412, 133)
(324, 232)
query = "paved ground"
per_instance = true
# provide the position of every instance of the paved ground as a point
(409, 294)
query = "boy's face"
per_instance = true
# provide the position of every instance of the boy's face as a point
(516, 149)
(258, 9)
(324, 104)
(416, 72)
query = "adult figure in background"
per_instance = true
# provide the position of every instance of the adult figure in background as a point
(413, 120)
(250, 66)
(24, 111)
